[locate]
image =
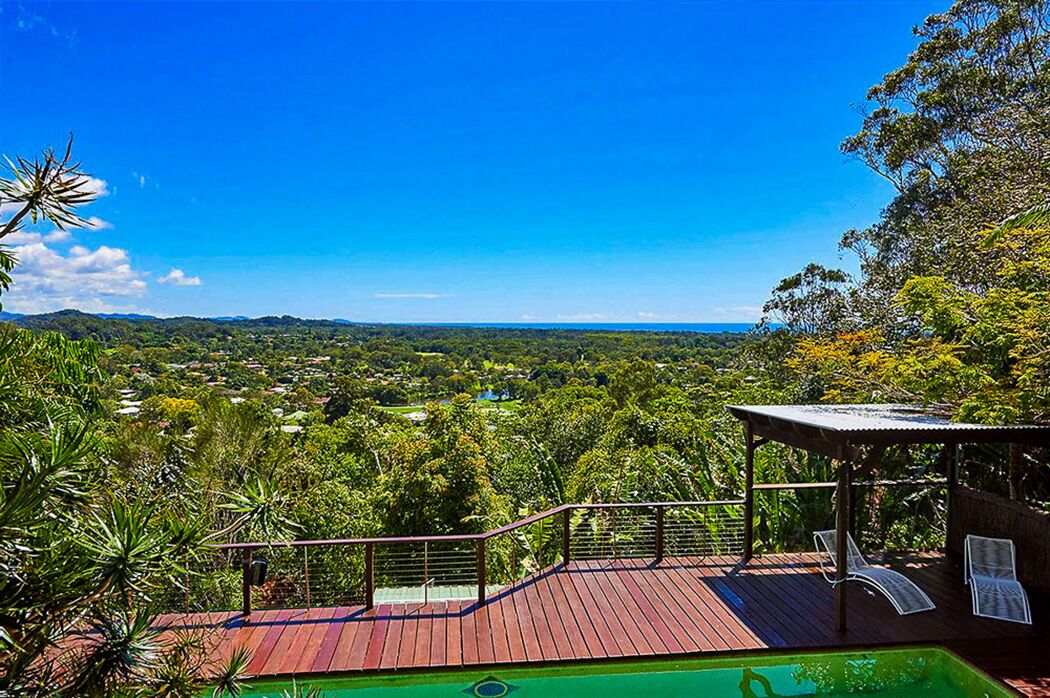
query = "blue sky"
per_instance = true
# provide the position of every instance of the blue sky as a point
(446, 162)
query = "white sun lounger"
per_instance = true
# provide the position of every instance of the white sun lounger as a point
(990, 568)
(905, 596)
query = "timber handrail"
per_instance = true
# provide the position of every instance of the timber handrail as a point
(927, 482)
(478, 538)
(465, 537)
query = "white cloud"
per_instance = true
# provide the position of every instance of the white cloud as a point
(177, 277)
(585, 317)
(96, 223)
(99, 187)
(24, 237)
(139, 178)
(57, 236)
(409, 296)
(21, 237)
(99, 280)
(642, 315)
(742, 312)
(529, 318)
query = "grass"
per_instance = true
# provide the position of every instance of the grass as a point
(492, 405)
(402, 409)
(505, 405)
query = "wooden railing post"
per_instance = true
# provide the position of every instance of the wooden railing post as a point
(565, 554)
(246, 582)
(852, 504)
(841, 537)
(659, 534)
(952, 467)
(369, 576)
(306, 572)
(481, 571)
(749, 495)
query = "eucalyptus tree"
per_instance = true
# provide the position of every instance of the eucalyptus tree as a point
(962, 131)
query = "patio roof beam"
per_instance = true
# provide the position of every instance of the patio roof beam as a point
(799, 436)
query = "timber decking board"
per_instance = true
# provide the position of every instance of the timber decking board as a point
(606, 609)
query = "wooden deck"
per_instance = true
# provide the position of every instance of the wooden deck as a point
(619, 609)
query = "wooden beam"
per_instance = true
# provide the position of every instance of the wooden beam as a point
(841, 542)
(481, 573)
(749, 493)
(951, 467)
(921, 482)
(786, 433)
(370, 584)
(246, 583)
(566, 537)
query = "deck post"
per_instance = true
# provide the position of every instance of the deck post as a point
(565, 554)
(851, 504)
(749, 495)
(370, 592)
(841, 545)
(246, 582)
(952, 474)
(481, 571)
(659, 534)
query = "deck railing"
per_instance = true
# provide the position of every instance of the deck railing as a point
(366, 571)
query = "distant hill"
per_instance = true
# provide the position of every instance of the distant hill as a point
(143, 329)
(266, 320)
(126, 316)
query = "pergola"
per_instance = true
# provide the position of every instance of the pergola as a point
(843, 433)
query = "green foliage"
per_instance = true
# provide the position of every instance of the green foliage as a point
(81, 550)
(439, 484)
(951, 307)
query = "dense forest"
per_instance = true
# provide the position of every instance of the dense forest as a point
(129, 446)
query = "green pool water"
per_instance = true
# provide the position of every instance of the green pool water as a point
(925, 672)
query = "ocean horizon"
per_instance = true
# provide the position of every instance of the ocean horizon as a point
(697, 327)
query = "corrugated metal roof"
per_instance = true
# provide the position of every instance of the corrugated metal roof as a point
(870, 417)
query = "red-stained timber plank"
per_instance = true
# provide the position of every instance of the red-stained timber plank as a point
(338, 624)
(320, 623)
(469, 634)
(587, 627)
(453, 630)
(530, 639)
(274, 629)
(486, 655)
(423, 628)
(614, 637)
(438, 635)
(377, 638)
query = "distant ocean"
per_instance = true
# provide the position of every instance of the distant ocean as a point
(702, 327)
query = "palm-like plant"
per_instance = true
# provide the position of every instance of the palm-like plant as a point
(232, 675)
(49, 187)
(78, 563)
(260, 510)
(120, 648)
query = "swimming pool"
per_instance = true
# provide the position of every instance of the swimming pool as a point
(927, 671)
